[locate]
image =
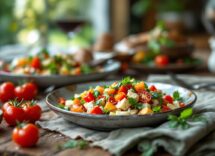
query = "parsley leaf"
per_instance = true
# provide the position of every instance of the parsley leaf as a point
(176, 96)
(156, 95)
(135, 104)
(96, 93)
(126, 80)
(182, 121)
(156, 108)
(185, 114)
(83, 101)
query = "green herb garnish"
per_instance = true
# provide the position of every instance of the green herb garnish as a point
(176, 96)
(182, 120)
(81, 144)
(96, 93)
(135, 103)
(126, 80)
(156, 108)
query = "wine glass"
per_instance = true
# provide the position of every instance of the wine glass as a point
(71, 26)
(208, 17)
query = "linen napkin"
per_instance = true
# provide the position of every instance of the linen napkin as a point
(196, 140)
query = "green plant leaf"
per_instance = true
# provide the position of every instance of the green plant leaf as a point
(81, 144)
(172, 118)
(185, 114)
(156, 109)
(96, 93)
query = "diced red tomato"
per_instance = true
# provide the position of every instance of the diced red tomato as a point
(165, 108)
(96, 110)
(145, 96)
(36, 63)
(62, 100)
(119, 96)
(123, 89)
(89, 97)
(112, 100)
(168, 98)
(152, 88)
(128, 86)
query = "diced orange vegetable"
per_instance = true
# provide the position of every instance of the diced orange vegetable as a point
(139, 86)
(77, 101)
(100, 89)
(77, 71)
(145, 110)
(22, 62)
(111, 91)
(77, 108)
(110, 106)
(119, 96)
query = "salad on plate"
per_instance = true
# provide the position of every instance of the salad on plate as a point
(46, 64)
(125, 97)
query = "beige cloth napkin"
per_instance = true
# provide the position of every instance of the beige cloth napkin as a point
(197, 140)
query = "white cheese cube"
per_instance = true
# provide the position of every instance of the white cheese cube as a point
(133, 95)
(155, 102)
(77, 96)
(133, 111)
(171, 106)
(69, 103)
(176, 103)
(112, 113)
(89, 106)
(123, 104)
(122, 113)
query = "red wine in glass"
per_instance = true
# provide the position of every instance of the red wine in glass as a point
(70, 26)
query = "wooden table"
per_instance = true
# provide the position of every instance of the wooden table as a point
(49, 141)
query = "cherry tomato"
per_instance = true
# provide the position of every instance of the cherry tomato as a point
(152, 88)
(32, 111)
(36, 63)
(13, 113)
(123, 89)
(6, 91)
(89, 97)
(27, 91)
(165, 108)
(145, 97)
(26, 136)
(96, 110)
(112, 100)
(168, 98)
(161, 60)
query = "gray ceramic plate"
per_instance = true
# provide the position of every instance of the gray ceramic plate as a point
(105, 122)
(59, 80)
(176, 68)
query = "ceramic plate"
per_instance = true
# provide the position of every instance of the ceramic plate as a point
(176, 68)
(105, 122)
(60, 80)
